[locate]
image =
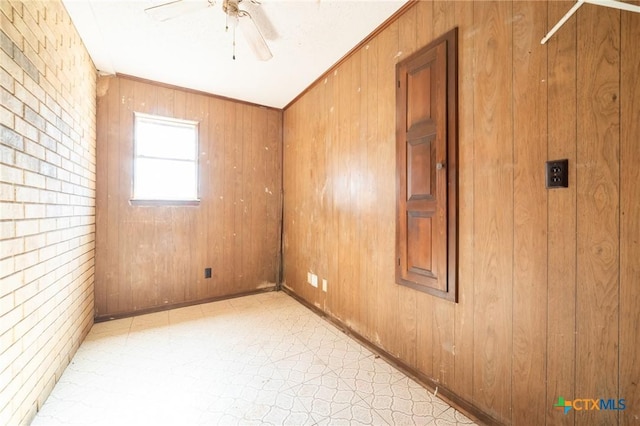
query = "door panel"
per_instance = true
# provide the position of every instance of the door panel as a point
(426, 201)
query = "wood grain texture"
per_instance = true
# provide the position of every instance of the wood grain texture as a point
(493, 209)
(102, 188)
(561, 246)
(463, 316)
(535, 265)
(155, 256)
(443, 310)
(598, 274)
(385, 187)
(529, 214)
(629, 386)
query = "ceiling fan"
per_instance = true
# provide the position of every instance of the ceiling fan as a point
(236, 17)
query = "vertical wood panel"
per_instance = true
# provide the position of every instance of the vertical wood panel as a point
(129, 100)
(330, 143)
(228, 193)
(112, 237)
(493, 209)
(197, 108)
(247, 257)
(363, 188)
(102, 191)
(387, 289)
(443, 310)
(464, 318)
(561, 246)
(324, 235)
(373, 147)
(530, 214)
(356, 176)
(629, 223)
(237, 161)
(215, 180)
(598, 208)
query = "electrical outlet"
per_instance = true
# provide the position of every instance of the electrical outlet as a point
(324, 285)
(314, 280)
(207, 272)
(557, 174)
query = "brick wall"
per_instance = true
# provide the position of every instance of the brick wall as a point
(47, 201)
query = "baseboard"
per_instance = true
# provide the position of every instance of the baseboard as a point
(462, 405)
(109, 317)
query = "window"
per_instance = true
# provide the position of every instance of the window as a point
(165, 159)
(426, 173)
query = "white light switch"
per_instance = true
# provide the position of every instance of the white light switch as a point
(324, 285)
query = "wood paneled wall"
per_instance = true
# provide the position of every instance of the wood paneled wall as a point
(549, 294)
(151, 256)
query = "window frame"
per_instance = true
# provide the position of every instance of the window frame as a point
(165, 120)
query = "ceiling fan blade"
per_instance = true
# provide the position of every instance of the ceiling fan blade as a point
(173, 9)
(253, 36)
(261, 19)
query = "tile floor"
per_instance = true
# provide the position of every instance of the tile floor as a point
(263, 359)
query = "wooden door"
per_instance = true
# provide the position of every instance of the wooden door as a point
(426, 168)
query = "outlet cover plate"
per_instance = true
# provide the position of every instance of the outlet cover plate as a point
(557, 173)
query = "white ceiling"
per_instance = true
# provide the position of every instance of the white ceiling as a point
(193, 50)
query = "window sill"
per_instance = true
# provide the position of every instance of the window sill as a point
(153, 203)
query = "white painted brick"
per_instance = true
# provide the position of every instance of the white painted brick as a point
(24, 293)
(7, 230)
(6, 117)
(11, 175)
(7, 268)
(27, 227)
(6, 340)
(34, 242)
(33, 273)
(7, 155)
(11, 210)
(7, 193)
(47, 224)
(12, 247)
(26, 260)
(34, 179)
(34, 149)
(32, 211)
(25, 129)
(47, 252)
(11, 283)
(53, 184)
(27, 195)
(8, 321)
(26, 96)
(27, 162)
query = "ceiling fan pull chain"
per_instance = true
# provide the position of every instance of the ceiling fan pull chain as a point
(234, 42)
